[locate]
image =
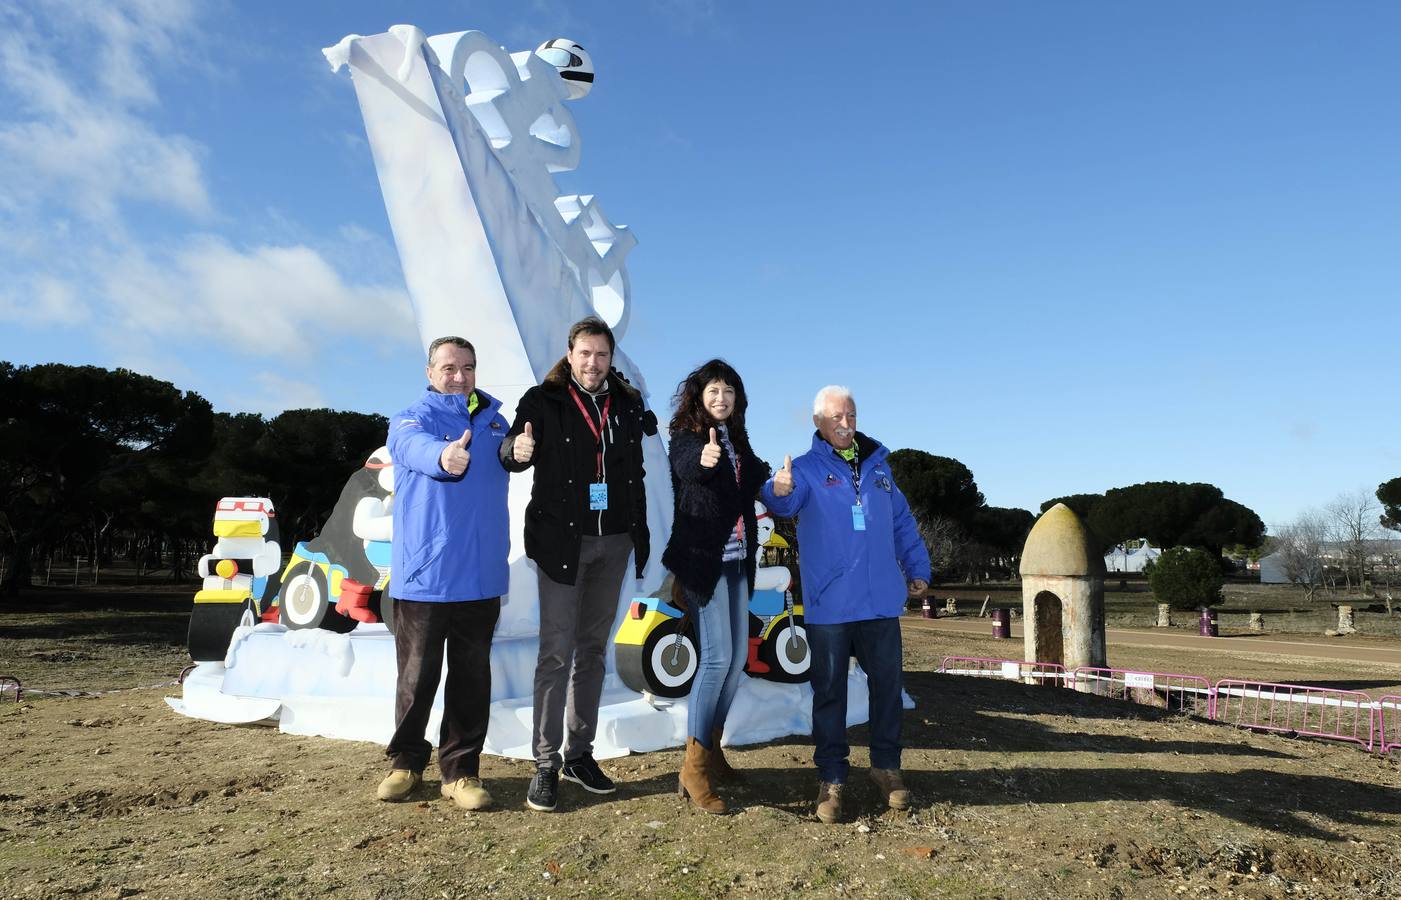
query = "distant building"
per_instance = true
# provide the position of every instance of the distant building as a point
(1382, 556)
(1272, 570)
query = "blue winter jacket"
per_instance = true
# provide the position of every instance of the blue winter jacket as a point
(850, 575)
(451, 532)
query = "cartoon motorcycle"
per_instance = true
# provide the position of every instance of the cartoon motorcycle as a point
(237, 576)
(657, 650)
(339, 578)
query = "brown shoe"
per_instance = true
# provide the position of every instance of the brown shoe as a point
(398, 784)
(829, 803)
(720, 768)
(888, 780)
(467, 793)
(695, 778)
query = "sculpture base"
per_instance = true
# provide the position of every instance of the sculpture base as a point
(314, 682)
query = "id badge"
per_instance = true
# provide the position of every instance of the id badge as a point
(858, 519)
(598, 497)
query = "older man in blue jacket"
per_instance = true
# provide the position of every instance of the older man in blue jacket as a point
(451, 540)
(862, 554)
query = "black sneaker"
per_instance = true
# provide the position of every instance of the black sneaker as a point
(543, 792)
(586, 773)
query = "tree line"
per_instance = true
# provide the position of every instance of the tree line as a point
(967, 539)
(971, 541)
(108, 464)
(105, 464)
(1343, 544)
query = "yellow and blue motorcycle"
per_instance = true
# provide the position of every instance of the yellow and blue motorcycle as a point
(657, 650)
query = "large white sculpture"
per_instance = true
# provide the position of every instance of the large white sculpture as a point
(466, 140)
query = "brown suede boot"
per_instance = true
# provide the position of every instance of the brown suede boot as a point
(720, 768)
(829, 803)
(888, 781)
(695, 778)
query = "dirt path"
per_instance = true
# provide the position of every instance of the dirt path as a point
(1354, 649)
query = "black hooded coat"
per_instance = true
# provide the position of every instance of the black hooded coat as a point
(708, 501)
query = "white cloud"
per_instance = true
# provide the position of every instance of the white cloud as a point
(132, 32)
(355, 234)
(43, 300)
(148, 357)
(82, 145)
(64, 143)
(92, 163)
(277, 393)
(282, 301)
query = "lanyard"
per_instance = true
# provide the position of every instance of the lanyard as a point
(739, 522)
(595, 430)
(855, 463)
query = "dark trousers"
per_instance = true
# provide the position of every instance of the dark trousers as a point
(575, 620)
(876, 645)
(421, 631)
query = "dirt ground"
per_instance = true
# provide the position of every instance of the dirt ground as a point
(1021, 792)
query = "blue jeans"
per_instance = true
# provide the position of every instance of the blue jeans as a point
(876, 646)
(722, 627)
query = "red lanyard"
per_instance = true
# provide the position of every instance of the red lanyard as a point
(595, 430)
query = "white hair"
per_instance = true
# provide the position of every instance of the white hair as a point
(835, 392)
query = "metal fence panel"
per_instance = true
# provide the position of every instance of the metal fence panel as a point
(1297, 709)
(1389, 723)
(1175, 692)
(1008, 669)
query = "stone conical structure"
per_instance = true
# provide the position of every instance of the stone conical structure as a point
(1063, 591)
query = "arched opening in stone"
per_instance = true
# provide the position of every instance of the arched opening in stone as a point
(1050, 647)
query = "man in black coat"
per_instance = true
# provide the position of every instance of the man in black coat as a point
(582, 430)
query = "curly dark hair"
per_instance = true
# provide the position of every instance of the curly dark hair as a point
(690, 413)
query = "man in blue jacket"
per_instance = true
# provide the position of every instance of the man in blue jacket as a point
(861, 555)
(451, 539)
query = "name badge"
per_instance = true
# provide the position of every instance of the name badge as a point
(598, 496)
(858, 519)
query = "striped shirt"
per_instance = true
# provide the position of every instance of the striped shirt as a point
(734, 547)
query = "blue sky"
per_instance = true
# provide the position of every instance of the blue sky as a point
(1074, 245)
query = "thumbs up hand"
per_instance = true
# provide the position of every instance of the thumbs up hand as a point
(524, 446)
(710, 453)
(783, 481)
(455, 457)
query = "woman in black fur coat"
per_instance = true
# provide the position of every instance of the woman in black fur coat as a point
(715, 478)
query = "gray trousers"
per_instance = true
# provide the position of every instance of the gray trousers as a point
(575, 621)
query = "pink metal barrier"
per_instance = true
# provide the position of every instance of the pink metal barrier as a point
(1388, 723)
(1009, 669)
(1350, 716)
(1190, 694)
(10, 683)
(1298, 709)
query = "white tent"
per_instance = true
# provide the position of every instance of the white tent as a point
(1121, 559)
